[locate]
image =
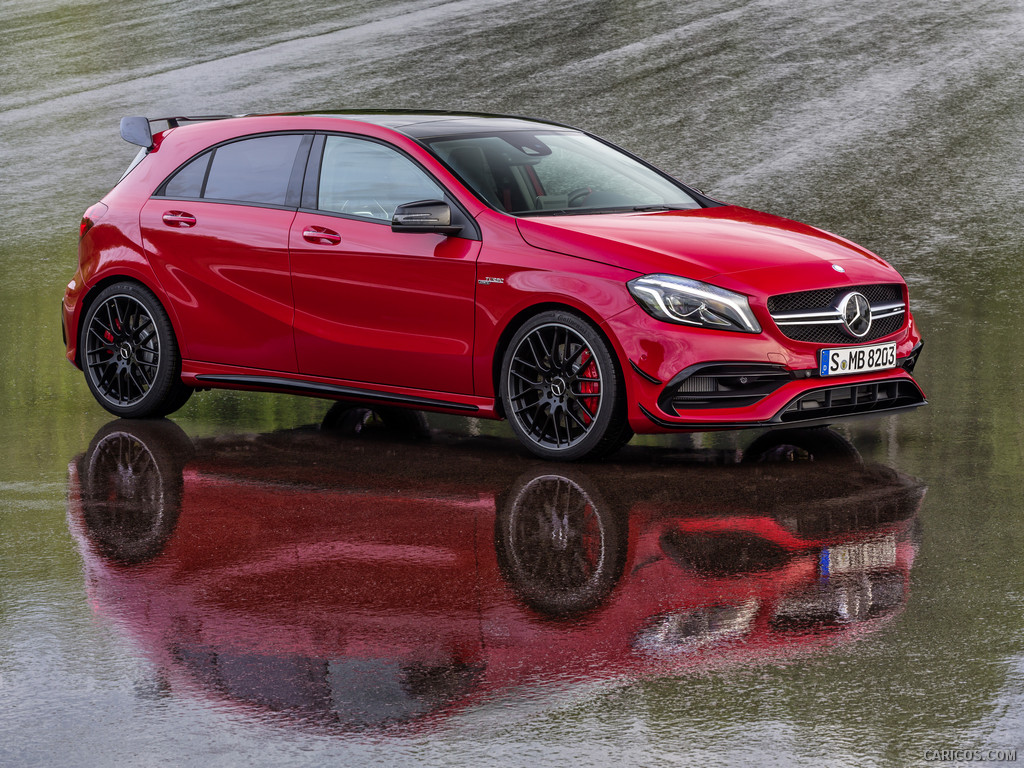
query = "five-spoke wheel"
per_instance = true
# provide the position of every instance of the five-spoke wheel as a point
(130, 355)
(561, 389)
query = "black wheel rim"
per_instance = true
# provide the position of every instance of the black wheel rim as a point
(122, 350)
(555, 386)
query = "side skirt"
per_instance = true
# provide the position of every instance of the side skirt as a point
(317, 389)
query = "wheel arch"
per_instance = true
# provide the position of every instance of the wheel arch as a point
(97, 288)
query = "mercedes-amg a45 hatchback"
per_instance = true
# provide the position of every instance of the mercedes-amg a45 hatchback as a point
(480, 265)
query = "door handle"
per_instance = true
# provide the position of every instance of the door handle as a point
(321, 236)
(179, 219)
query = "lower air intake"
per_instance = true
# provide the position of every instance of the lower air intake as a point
(722, 385)
(852, 400)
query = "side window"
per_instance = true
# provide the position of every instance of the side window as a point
(188, 182)
(364, 178)
(253, 170)
(256, 170)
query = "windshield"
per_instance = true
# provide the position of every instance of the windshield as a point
(556, 173)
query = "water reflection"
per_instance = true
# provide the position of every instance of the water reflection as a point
(343, 577)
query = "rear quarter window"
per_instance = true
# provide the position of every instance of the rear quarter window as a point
(188, 182)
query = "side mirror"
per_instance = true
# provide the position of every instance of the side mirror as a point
(424, 216)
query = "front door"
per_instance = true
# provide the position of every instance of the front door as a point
(372, 305)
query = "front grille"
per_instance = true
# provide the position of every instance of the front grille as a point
(722, 385)
(852, 400)
(813, 316)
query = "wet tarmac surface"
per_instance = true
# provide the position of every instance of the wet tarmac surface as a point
(252, 584)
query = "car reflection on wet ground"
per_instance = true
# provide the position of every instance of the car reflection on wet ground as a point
(349, 577)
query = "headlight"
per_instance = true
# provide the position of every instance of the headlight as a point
(689, 302)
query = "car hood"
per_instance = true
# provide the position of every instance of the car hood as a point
(701, 244)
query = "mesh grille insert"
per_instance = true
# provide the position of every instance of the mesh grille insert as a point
(826, 300)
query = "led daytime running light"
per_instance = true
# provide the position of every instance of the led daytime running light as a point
(713, 307)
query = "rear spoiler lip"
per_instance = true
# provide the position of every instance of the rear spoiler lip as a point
(137, 129)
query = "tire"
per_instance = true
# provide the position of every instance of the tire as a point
(562, 389)
(129, 354)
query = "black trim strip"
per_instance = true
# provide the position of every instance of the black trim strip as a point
(643, 374)
(790, 413)
(910, 361)
(707, 427)
(331, 390)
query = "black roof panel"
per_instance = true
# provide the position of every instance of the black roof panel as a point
(429, 124)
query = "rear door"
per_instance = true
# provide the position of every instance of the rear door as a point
(372, 305)
(217, 234)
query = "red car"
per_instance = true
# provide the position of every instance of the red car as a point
(371, 583)
(480, 265)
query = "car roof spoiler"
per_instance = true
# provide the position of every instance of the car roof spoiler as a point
(136, 130)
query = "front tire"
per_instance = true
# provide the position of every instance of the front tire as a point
(129, 354)
(562, 390)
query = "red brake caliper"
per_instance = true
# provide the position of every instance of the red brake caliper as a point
(109, 337)
(589, 390)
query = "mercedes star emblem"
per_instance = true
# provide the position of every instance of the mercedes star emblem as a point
(855, 310)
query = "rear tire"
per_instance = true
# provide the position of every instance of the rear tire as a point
(562, 389)
(129, 354)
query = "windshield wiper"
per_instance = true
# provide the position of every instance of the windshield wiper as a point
(569, 211)
(604, 209)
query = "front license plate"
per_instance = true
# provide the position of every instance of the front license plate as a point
(839, 362)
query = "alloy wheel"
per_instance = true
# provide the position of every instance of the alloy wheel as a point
(555, 386)
(122, 350)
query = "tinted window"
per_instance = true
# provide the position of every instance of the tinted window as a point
(188, 182)
(253, 170)
(556, 172)
(364, 178)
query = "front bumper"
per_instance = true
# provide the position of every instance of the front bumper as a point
(855, 397)
(696, 380)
